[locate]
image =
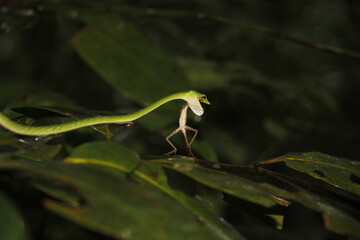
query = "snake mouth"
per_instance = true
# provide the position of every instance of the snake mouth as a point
(203, 99)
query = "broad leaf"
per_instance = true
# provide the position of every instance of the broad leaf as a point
(7, 139)
(108, 154)
(260, 193)
(12, 223)
(128, 59)
(38, 152)
(335, 218)
(153, 174)
(113, 206)
(339, 172)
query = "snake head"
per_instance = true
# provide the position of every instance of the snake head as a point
(194, 99)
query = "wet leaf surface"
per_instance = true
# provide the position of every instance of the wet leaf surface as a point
(339, 172)
(115, 207)
(260, 193)
(335, 218)
(153, 174)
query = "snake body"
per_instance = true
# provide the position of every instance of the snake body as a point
(193, 99)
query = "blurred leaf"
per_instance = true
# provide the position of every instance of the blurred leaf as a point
(54, 190)
(39, 99)
(335, 219)
(307, 104)
(203, 74)
(205, 149)
(131, 62)
(339, 172)
(118, 208)
(75, 114)
(275, 129)
(46, 111)
(127, 59)
(32, 149)
(109, 154)
(11, 87)
(326, 98)
(12, 224)
(38, 153)
(7, 138)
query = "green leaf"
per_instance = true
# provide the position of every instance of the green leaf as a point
(205, 149)
(113, 206)
(335, 219)
(275, 129)
(153, 174)
(203, 74)
(63, 195)
(39, 99)
(42, 111)
(59, 114)
(131, 62)
(7, 139)
(260, 193)
(38, 153)
(108, 154)
(12, 224)
(339, 172)
(127, 59)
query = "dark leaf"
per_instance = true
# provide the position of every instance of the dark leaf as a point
(12, 223)
(118, 208)
(339, 172)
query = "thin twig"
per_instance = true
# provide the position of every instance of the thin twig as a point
(252, 27)
(200, 16)
(269, 161)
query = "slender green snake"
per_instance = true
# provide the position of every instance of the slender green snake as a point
(193, 99)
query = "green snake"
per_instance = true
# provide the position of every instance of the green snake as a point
(193, 99)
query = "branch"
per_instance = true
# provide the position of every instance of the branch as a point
(255, 28)
(216, 18)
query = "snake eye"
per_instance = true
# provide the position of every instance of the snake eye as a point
(204, 99)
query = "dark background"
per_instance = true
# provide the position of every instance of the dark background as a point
(269, 96)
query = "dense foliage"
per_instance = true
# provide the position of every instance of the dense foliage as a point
(273, 150)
